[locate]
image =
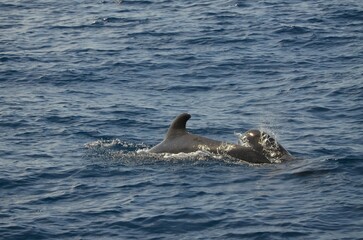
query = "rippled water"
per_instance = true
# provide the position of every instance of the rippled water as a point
(85, 87)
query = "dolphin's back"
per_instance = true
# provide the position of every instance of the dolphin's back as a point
(178, 140)
(185, 143)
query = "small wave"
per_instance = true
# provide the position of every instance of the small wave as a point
(190, 89)
(348, 15)
(315, 168)
(313, 172)
(318, 109)
(292, 30)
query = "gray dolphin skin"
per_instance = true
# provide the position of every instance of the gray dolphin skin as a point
(261, 148)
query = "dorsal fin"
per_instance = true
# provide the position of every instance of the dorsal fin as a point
(178, 125)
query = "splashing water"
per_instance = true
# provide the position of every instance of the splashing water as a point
(271, 149)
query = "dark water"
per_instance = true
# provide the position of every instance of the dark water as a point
(84, 85)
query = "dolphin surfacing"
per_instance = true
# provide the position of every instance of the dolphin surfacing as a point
(178, 140)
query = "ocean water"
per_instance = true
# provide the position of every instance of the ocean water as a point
(87, 86)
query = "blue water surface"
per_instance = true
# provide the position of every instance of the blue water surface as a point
(87, 86)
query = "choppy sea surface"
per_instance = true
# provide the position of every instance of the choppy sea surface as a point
(87, 86)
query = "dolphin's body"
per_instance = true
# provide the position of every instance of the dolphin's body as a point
(261, 147)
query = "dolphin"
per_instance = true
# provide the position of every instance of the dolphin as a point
(255, 146)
